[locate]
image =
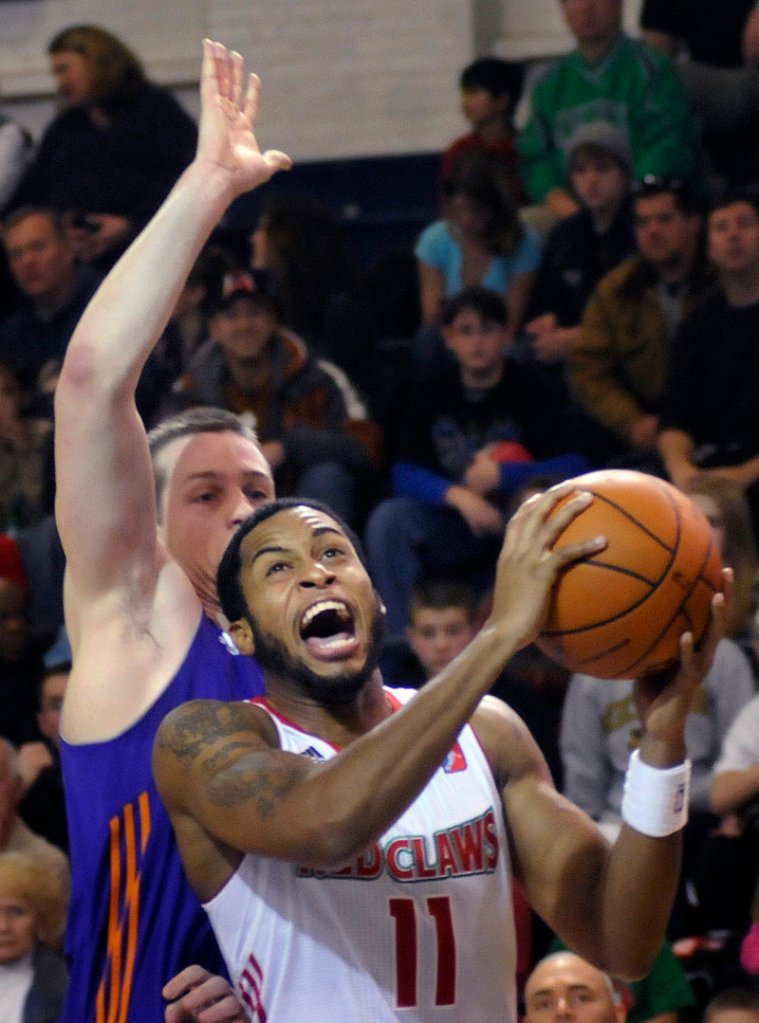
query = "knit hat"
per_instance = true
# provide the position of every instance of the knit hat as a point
(602, 135)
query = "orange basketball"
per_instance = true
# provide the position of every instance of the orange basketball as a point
(622, 611)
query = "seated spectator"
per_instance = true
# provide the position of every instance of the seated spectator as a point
(715, 44)
(110, 157)
(313, 429)
(300, 256)
(26, 485)
(733, 1005)
(441, 621)
(636, 85)
(724, 503)
(33, 974)
(600, 727)
(42, 807)
(187, 329)
(479, 242)
(20, 655)
(710, 409)
(584, 247)
(15, 836)
(480, 432)
(725, 876)
(490, 91)
(15, 152)
(565, 978)
(54, 291)
(619, 362)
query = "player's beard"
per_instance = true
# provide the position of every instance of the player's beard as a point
(335, 690)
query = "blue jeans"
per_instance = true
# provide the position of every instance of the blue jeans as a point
(406, 540)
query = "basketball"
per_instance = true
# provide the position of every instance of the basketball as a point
(621, 612)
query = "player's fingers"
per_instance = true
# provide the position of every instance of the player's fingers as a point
(235, 77)
(252, 93)
(187, 978)
(276, 160)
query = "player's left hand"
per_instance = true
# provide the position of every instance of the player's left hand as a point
(201, 997)
(664, 699)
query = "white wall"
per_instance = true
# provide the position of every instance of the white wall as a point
(340, 77)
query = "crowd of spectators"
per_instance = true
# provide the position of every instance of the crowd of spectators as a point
(588, 297)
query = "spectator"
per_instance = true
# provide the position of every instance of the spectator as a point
(619, 362)
(312, 427)
(54, 291)
(582, 248)
(733, 1005)
(109, 158)
(710, 409)
(42, 807)
(490, 91)
(636, 85)
(15, 151)
(715, 44)
(452, 481)
(15, 836)
(26, 485)
(480, 241)
(724, 503)
(20, 655)
(299, 255)
(33, 975)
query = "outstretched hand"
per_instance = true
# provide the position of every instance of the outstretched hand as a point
(229, 105)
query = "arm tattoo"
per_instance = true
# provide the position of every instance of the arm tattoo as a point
(233, 779)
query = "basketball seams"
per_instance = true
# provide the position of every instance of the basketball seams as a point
(681, 590)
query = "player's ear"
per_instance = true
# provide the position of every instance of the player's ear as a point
(242, 634)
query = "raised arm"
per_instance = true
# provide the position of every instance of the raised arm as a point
(105, 502)
(610, 905)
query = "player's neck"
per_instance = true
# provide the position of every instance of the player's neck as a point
(337, 723)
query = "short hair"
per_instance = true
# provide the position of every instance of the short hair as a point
(203, 419)
(736, 195)
(117, 72)
(732, 998)
(22, 213)
(654, 184)
(228, 587)
(439, 593)
(498, 77)
(486, 302)
(24, 876)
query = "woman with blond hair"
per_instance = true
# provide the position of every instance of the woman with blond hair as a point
(113, 152)
(33, 975)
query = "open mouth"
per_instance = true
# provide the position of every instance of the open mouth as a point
(328, 629)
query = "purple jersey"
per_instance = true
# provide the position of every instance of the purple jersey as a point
(134, 921)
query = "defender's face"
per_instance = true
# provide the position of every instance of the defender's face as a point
(214, 482)
(306, 588)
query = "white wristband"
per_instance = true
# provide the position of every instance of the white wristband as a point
(656, 798)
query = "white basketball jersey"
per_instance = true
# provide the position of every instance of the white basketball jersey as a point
(419, 928)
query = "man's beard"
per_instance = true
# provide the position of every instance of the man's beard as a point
(336, 690)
